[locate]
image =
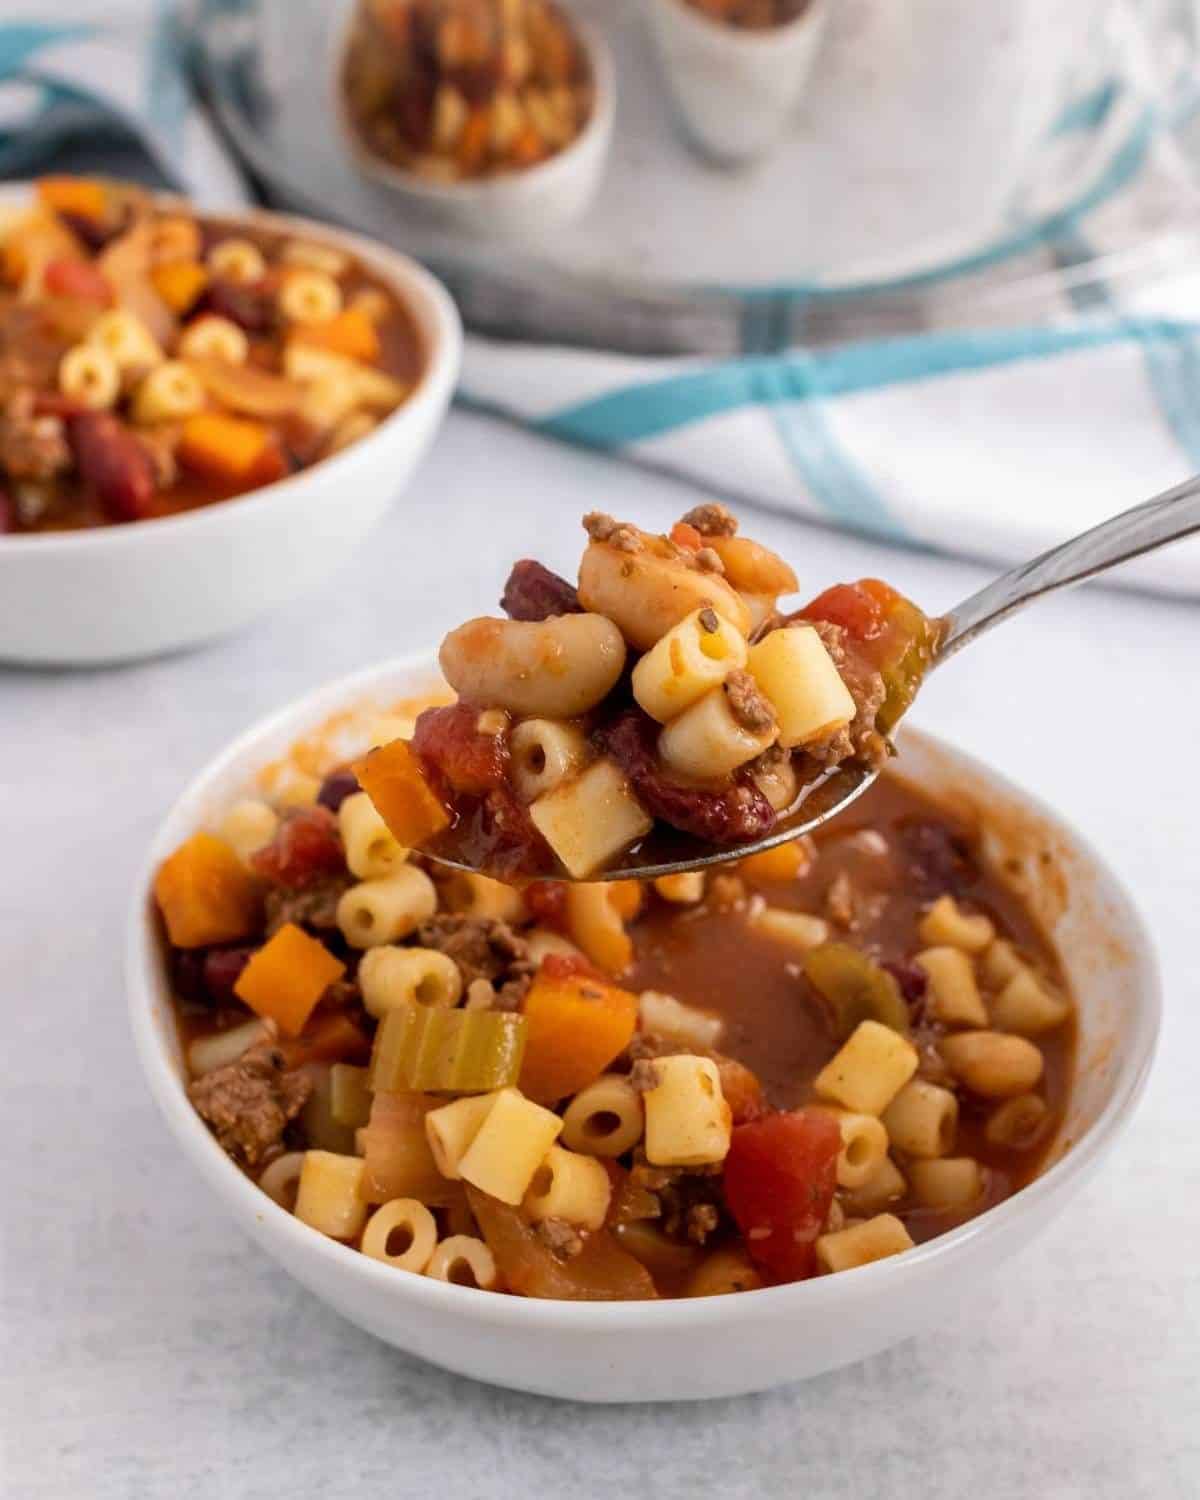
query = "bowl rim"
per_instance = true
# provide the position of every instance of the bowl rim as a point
(410, 282)
(740, 38)
(479, 192)
(249, 1203)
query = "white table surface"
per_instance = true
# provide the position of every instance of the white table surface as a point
(150, 1351)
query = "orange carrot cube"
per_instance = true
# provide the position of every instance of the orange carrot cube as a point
(85, 196)
(576, 1025)
(286, 977)
(179, 283)
(784, 862)
(392, 778)
(351, 334)
(205, 894)
(227, 449)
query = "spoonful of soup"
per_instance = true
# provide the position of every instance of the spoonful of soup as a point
(668, 712)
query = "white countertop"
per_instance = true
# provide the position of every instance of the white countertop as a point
(151, 1351)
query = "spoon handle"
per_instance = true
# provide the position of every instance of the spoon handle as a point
(1167, 518)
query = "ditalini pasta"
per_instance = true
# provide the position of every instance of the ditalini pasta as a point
(666, 701)
(787, 1067)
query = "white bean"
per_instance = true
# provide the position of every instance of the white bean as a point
(554, 668)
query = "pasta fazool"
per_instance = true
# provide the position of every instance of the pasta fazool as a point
(613, 1091)
(668, 699)
(157, 361)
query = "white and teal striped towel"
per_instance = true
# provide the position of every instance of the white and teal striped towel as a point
(1051, 380)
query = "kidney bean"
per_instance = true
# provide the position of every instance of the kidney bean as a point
(447, 741)
(113, 465)
(939, 860)
(206, 976)
(95, 233)
(913, 981)
(249, 307)
(547, 902)
(731, 815)
(535, 593)
(306, 847)
(336, 787)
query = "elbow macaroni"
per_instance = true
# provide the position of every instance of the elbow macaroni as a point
(569, 1186)
(922, 1120)
(953, 996)
(590, 819)
(860, 1244)
(688, 1123)
(545, 753)
(693, 657)
(605, 1118)
(796, 672)
(509, 1146)
(706, 741)
(375, 912)
(390, 977)
(372, 850)
(869, 1070)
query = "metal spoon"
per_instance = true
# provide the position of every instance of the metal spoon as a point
(1169, 517)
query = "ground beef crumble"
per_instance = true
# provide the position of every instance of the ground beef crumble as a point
(711, 519)
(618, 534)
(860, 737)
(747, 702)
(314, 906)
(248, 1104)
(689, 1198)
(483, 948)
(563, 1239)
(32, 447)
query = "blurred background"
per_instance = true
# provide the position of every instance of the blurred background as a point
(748, 241)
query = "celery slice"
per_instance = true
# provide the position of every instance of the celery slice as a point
(350, 1097)
(856, 988)
(439, 1051)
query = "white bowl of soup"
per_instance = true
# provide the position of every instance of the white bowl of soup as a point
(944, 827)
(210, 435)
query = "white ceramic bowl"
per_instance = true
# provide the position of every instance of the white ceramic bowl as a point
(119, 592)
(736, 90)
(718, 1346)
(512, 205)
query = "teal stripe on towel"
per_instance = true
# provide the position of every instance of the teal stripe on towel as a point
(830, 475)
(654, 407)
(20, 40)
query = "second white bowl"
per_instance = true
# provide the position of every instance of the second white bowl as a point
(716, 1346)
(116, 593)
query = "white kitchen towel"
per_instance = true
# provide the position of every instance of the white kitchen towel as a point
(1054, 379)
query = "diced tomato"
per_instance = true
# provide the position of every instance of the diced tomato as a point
(547, 902)
(448, 741)
(570, 966)
(686, 536)
(67, 277)
(742, 1090)
(306, 847)
(780, 1176)
(856, 607)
